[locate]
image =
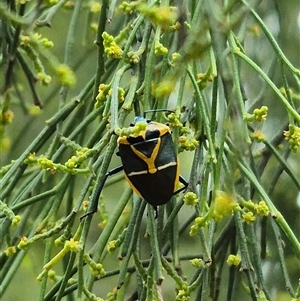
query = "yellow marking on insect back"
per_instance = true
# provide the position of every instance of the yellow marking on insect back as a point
(149, 161)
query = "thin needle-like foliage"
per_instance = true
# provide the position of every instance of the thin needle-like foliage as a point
(224, 75)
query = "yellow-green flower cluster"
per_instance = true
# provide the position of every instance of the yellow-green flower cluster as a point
(133, 131)
(35, 39)
(176, 26)
(203, 78)
(293, 137)
(29, 44)
(72, 162)
(52, 275)
(250, 209)
(65, 75)
(73, 245)
(163, 88)
(159, 49)
(197, 263)
(187, 143)
(128, 8)
(121, 94)
(4, 146)
(6, 117)
(248, 217)
(10, 251)
(31, 159)
(104, 93)
(174, 120)
(95, 7)
(45, 163)
(224, 205)
(133, 57)
(61, 240)
(254, 29)
(34, 110)
(36, 46)
(185, 140)
(190, 199)
(103, 214)
(9, 213)
(262, 209)
(23, 243)
(258, 136)
(44, 78)
(112, 50)
(159, 15)
(15, 221)
(50, 2)
(258, 115)
(175, 58)
(75, 161)
(114, 244)
(112, 296)
(233, 260)
(199, 223)
(68, 167)
(183, 293)
(96, 269)
(47, 43)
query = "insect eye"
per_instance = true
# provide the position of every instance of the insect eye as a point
(152, 134)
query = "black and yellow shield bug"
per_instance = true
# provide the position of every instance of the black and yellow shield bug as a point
(150, 163)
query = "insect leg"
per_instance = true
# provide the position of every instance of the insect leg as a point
(184, 182)
(99, 189)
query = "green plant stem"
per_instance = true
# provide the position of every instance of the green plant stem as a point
(203, 115)
(46, 18)
(148, 78)
(246, 265)
(282, 258)
(158, 276)
(283, 164)
(39, 140)
(132, 241)
(114, 97)
(47, 257)
(67, 220)
(99, 41)
(272, 40)
(34, 199)
(273, 210)
(100, 245)
(135, 219)
(257, 260)
(284, 101)
(66, 276)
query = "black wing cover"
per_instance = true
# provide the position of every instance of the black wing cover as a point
(156, 188)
